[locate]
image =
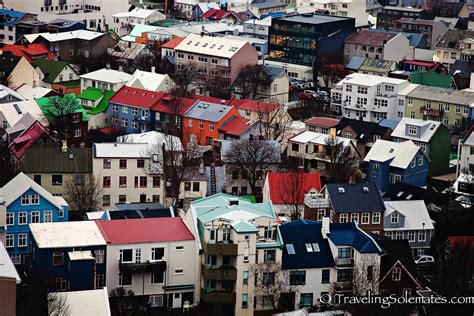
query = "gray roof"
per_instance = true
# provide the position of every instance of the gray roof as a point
(268, 4)
(53, 160)
(207, 111)
(451, 38)
(372, 4)
(313, 19)
(355, 62)
(22, 124)
(445, 95)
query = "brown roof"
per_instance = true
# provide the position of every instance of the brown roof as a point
(416, 21)
(322, 121)
(372, 38)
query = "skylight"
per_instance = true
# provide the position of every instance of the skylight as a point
(400, 194)
(290, 249)
(316, 247)
(313, 247)
(391, 150)
(341, 190)
(409, 196)
(309, 248)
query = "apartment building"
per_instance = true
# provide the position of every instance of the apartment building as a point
(432, 30)
(465, 167)
(356, 8)
(454, 45)
(392, 13)
(258, 28)
(105, 79)
(369, 98)
(122, 171)
(234, 235)
(10, 29)
(377, 45)
(215, 55)
(154, 258)
(123, 22)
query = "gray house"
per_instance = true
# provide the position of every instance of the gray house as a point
(409, 220)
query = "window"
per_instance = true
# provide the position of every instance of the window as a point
(22, 218)
(157, 277)
(61, 213)
(268, 232)
(411, 235)
(156, 300)
(297, 277)
(100, 280)
(106, 182)
(376, 165)
(156, 181)
(312, 247)
(375, 218)
(348, 134)
(362, 89)
(422, 235)
(268, 278)
(124, 109)
(389, 88)
(226, 234)
(343, 218)
(394, 218)
(35, 217)
(140, 163)
(178, 271)
(370, 272)
(365, 218)
(22, 240)
(355, 217)
(412, 115)
(412, 130)
(125, 279)
(211, 126)
(122, 181)
(106, 200)
(157, 254)
(77, 132)
(348, 88)
(190, 123)
(269, 256)
(10, 218)
(123, 164)
(57, 179)
(295, 147)
(306, 299)
(245, 277)
(143, 182)
(325, 276)
(58, 258)
(396, 274)
(61, 284)
(10, 241)
(344, 252)
(413, 163)
(106, 163)
(201, 124)
(196, 186)
(126, 255)
(245, 300)
(394, 178)
(138, 255)
(99, 256)
(458, 109)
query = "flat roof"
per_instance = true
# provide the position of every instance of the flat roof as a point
(313, 18)
(68, 234)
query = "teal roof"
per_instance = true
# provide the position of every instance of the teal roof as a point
(140, 28)
(244, 227)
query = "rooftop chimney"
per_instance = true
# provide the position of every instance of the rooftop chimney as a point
(120, 68)
(325, 227)
(153, 69)
(107, 66)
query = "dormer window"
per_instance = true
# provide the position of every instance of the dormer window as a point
(412, 130)
(394, 218)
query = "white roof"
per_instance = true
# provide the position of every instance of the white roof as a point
(94, 215)
(135, 13)
(148, 80)
(67, 234)
(409, 88)
(29, 92)
(80, 255)
(107, 75)
(153, 138)
(211, 46)
(14, 111)
(427, 129)
(92, 302)
(317, 138)
(265, 22)
(78, 34)
(22, 183)
(7, 269)
(401, 154)
(369, 80)
(415, 213)
(5, 91)
(120, 150)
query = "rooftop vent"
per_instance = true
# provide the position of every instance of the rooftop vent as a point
(391, 150)
(233, 201)
(341, 190)
(366, 189)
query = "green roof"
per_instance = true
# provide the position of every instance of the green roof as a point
(50, 68)
(431, 79)
(251, 198)
(72, 83)
(94, 94)
(51, 113)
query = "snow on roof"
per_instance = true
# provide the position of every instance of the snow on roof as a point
(148, 80)
(120, 150)
(415, 214)
(22, 183)
(91, 302)
(78, 34)
(107, 75)
(67, 234)
(7, 269)
(153, 138)
(265, 22)
(5, 91)
(427, 129)
(401, 154)
(211, 46)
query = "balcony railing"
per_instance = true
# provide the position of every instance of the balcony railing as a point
(344, 262)
(219, 273)
(218, 296)
(315, 201)
(224, 249)
(148, 266)
(431, 112)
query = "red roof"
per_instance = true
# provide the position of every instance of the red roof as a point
(461, 240)
(209, 99)
(29, 51)
(281, 184)
(26, 139)
(168, 104)
(236, 125)
(370, 37)
(136, 97)
(215, 14)
(143, 230)
(173, 43)
(256, 106)
(322, 121)
(420, 63)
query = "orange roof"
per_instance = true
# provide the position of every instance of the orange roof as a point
(173, 42)
(236, 125)
(322, 121)
(256, 106)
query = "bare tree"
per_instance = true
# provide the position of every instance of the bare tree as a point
(57, 305)
(82, 192)
(185, 78)
(274, 122)
(214, 84)
(271, 283)
(121, 302)
(343, 161)
(252, 158)
(291, 193)
(253, 78)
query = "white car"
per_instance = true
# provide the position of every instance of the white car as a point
(424, 259)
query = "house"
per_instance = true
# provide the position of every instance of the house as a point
(321, 124)
(431, 29)
(259, 8)
(168, 113)
(447, 9)
(120, 168)
(105, 79)
(27, 202)
(201, 122)
(309, 262)
(19, 127)
(167, 49)
(95, 102)
(407, 67)
(72, 123)
(368, 98)
(63, 168)
(30, 51)
(193, 186)
(258, 28)
(232, 235)
(464, 168)
(320, 38)
(391, 13)
(391, 162)
(434, 200)
(356, 9)
(29, 92)
(151, 81)
(34, 135)
(124, 21)
(398, 271)
(9, 279)
(377, 67)
(225, 57)
(433, 79)
(409, 220)
(221, 15)
(286, 191)
(71, 256)
(238, 127)
(56, 72)
(10, 32)
(15, 71)
(8, 95)
(126, 54)
(158, 265)
(432, 137)
(439, 104)
(131, 211)
(454, 45)
(377, 45)
(86, 302)
(12, 113)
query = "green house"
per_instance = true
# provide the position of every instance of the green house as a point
(95, 102)
(432, 79)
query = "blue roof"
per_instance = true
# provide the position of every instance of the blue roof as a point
(355, 62)
(15, 17)
(299, 233)
(416, 39)
(348, 234)
(274, 15)
(353, 198)
(389, 123)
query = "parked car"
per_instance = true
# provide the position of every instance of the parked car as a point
(307, 95)
(308, 85)
(323, 93)
(424, 259)
(298, 87)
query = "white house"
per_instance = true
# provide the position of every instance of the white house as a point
(105, 79)
(123, 22)
(350, 8)
(151, 81)
(153, 258)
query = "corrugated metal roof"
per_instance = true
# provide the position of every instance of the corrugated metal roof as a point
(53, 160)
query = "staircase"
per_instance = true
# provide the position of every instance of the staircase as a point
(213, 180)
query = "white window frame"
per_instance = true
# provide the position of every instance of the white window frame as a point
(22, 237)
(376, 218)
(10, 218)
(343, 217)
(10, 241)
(23, 215)
(35, 214)
(394, 218)
(396, 274)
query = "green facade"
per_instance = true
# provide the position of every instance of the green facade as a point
(439, 152)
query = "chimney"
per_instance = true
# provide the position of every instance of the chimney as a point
(64, 146)
(107, 66)
(120, 68)
(233, 201)
(325, 227)
(202, 31)
(153, 69)
(300, 169)
(223, 102)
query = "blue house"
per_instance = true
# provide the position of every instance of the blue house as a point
(391, 162)
(27, 202)
(70, 256)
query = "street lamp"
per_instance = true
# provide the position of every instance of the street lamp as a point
(424, 238)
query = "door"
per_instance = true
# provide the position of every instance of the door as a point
(142, 198)
(177, 300)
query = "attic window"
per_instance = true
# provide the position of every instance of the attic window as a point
(125, 91)
(400, 194)
(220, 47)
(341, 190)
(290, 249)
(314, 247)
(433, 127)
(366, 189)
(189, 42)
(17, 108)
(212, 46)
(204, 45)
(134, 92)
(197, 43)
(409, 196)
(144, 94)
(391, 150)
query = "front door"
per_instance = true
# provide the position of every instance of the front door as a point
(177, 300)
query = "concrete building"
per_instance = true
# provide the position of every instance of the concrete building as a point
(391, 13)
(431, 29)
(369, 98)
(123, 22)
(354, 9)
(10, 29)
(454, 45)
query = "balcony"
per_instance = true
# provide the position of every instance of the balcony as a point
(218, 296)
(344, 262)
(223, 249)
(431, 112)
(316, 201)
(222, 273)
(149, 266)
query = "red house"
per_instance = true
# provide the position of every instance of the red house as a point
(29, 51)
